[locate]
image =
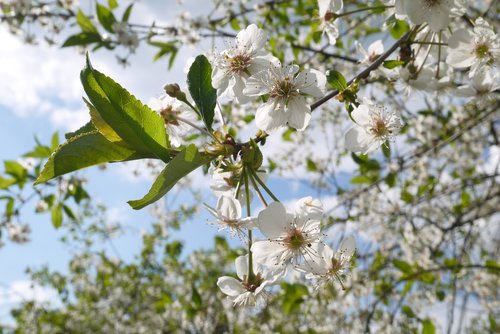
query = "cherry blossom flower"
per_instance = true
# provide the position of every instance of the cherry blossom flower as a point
(481, 85)
(248, 290)
(233, 67)
(177, 117)
(436, 13)
(290, 237)
(374, 125)
(327, 11)
(308, 207)
(287, 88)
(374, 51)
(479, 50)
(329, 266)
(125, 36)
(228, 214)
(18, 233)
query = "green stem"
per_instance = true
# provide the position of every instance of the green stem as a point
(251, 274)
(362, 10)
(263, 185)
(259, 193)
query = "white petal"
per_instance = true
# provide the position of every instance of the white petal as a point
(357, 140)
(241, 263)
(230, 286)
(313, 83)
(270, 116)
(229, 207)
(361, 115)
(267, 253)
(348, 246)
(272, 220)
(299, 113)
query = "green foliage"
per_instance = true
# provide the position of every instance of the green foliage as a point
(336, 80)
(390, 64)
(136, 124)
(428, 327)
(181, 165)
(105, 17)
(199, 81)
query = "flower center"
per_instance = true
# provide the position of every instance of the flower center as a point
(379, 128)
(295, 239)
(329, 16)
(169, 115)
(253, 284)
(336, 265)
(482, 50)
(239, 63)
(284, 89)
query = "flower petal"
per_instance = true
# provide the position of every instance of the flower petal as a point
(230, 286)
(272, 220)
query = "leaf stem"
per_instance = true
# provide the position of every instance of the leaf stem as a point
(263, 185)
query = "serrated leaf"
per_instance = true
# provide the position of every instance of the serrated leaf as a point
(89, 127)
(82, 38)
(105, 17)
(181, 165)
(85, 23)
(139, 126)
(83, 151)
(199, 81)
(101, 125)
(390, 64)
(336, 80)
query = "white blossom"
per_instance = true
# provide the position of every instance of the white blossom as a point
(327, 11)
(436, 13)
(233, 67)
(248, 290)
(478, 49)
(287, 89)
(228, 214)
(374, 125)
(480, 85)
(289, 237)
(177, 117)
(329, 266)
(125, 36)
(18, 232)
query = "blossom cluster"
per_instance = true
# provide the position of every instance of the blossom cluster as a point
(293, 242)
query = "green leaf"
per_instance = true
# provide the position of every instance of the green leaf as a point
(82, 38)
(6, 183)
(89, 127)
(199, 81)
(311, 165)
(428, 327)
(181, 165)
(399, 28)
(386, 149)
(40, 151)
(112, 4)
(408, 311)
(361, 179)
(336, 80)
(54, 141)
(390, 64)
(139, 126)
(82, 151)
(105, 17)
(440, 294)
(126, 13)
(15, 169)
(85, 23)
(56, 216)
(403, 266)
(390, 179)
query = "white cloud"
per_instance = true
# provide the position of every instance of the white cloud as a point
(18, 291)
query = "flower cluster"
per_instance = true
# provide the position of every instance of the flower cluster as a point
(247, 71)
(293, 241)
